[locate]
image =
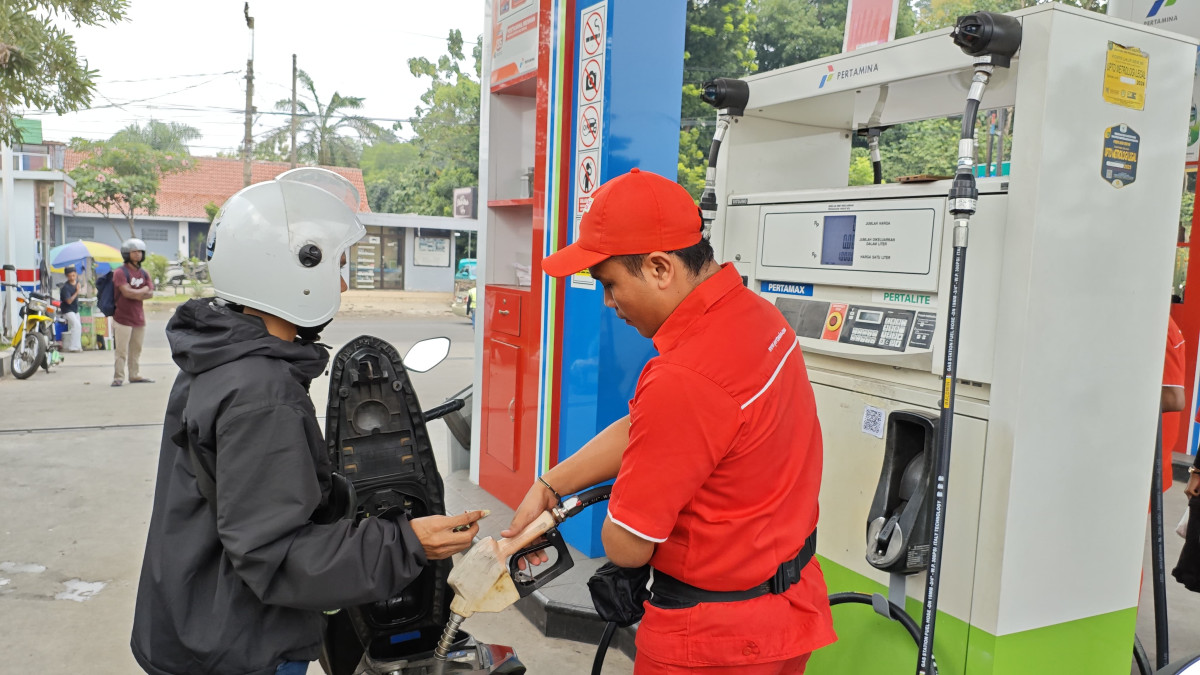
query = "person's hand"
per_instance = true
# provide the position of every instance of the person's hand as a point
(1193, 486)
(438, 536)
(536, 501)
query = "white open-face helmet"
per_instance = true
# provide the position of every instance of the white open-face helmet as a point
(277, 246)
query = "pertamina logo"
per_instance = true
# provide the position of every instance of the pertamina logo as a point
(1159, 4)
(1153, 18)
(858, 70)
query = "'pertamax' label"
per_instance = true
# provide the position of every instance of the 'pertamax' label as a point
(787, 288)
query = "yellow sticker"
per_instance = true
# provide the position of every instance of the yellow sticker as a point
(946, 396)
(1125, 70)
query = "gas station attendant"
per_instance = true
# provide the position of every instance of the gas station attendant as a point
(718, 464)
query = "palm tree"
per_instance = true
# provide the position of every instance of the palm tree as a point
(162, 136)
(321, 132)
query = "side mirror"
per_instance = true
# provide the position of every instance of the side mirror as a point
(426, 354)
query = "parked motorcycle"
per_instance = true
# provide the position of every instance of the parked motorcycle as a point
(33, 342)
(384, 467)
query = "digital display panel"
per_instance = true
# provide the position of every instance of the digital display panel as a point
(869, 316)
(837, 240)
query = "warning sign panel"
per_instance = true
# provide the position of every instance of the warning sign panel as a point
(588, 174)
(591, 81)
(589, 126)
(593, 33)
(1125, 70)
(589, 121)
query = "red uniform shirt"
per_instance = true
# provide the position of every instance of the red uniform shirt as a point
(1173, 376)
(723, 470)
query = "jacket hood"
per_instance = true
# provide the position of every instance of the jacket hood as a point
(205, 333)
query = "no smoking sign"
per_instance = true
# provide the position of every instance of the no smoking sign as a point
(593, 33)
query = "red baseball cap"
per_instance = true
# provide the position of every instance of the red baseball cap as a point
(638, 212)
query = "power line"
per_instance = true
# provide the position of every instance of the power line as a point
(173, 77)
(150, 98)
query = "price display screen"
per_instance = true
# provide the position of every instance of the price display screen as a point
(837, 240)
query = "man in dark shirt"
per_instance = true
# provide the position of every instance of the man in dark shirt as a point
(68, 298)
(132, 285)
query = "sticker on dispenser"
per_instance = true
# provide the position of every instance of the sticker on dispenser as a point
(1125, 71)
(1119, 160)
(872, 422)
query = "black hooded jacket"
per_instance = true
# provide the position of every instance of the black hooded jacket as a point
(242, 591)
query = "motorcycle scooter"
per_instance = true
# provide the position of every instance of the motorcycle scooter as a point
(33, 341)
(384, 467)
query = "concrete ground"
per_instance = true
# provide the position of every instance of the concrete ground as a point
(78, 460)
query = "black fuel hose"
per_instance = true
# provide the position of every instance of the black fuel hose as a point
(610, 629)
(1162, 642)
(896, 613)
(575, 503)
(1141, 658)
(968, 120)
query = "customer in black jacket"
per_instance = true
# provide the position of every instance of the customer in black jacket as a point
(236, 584)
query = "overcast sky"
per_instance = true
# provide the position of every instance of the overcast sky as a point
(185, 61)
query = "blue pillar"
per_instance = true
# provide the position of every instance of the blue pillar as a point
(641, 67)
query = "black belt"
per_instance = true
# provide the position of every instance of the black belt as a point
(667, 592)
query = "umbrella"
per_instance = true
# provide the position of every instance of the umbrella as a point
(76, 251)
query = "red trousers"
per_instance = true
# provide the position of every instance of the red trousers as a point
(644, 665)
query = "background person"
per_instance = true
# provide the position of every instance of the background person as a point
(68, 299)
(131, 285)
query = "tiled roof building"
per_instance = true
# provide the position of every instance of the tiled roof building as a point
(183, 195)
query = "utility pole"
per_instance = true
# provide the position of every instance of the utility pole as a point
(249, 140)
(8, 215)
(293, 111)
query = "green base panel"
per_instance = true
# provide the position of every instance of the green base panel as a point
(871, 644)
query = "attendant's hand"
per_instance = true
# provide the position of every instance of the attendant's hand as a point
(438, 536)
(536, 501)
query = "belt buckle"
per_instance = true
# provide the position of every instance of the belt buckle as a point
(785, 576)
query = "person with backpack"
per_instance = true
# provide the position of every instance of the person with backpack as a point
(130, 286)
(242, 554)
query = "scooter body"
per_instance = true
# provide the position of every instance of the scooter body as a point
(378, 443)
(33, 342)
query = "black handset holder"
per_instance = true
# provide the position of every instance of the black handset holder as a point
(898, 523)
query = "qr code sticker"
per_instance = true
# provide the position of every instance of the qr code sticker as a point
(873, 421)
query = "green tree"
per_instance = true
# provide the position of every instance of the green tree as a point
(420, 176)
(717, 44)
(322, 128)
(161, 136)
(39, 66)
(123, 177)
(935, 14)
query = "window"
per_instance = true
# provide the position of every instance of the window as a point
(80, 232)
(154, 233)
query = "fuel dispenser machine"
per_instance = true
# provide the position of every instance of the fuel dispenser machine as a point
(1064, 316)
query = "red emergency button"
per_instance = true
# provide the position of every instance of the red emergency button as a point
(834, 321)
